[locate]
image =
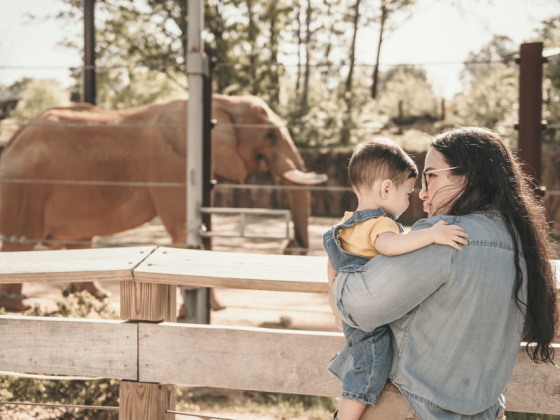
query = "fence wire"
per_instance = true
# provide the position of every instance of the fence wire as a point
(203, 416)
(182, 67)
(214, 185)
(183, 125)
(82, 407)
(48, 377)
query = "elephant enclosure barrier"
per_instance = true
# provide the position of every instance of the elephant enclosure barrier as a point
(150, 354)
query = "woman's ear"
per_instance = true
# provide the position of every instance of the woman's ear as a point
(385, 187)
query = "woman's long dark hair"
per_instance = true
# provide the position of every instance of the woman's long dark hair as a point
(494, 178)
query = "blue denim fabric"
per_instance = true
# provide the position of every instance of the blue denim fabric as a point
(364, 364)
(456, 328)
(341, 260)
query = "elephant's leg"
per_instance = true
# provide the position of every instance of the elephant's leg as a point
(93, 287)
(7, 290)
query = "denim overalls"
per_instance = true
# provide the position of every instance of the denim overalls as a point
(368, 355)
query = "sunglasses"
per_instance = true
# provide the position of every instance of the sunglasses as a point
(425, 179)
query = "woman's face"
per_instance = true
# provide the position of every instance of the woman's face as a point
(441, 185)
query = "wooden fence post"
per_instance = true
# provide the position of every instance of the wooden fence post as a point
(154, 303)
(530, 107)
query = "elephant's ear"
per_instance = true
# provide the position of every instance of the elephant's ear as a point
(171, 117)
(226, 160)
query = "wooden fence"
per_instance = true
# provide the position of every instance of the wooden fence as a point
(151, 357)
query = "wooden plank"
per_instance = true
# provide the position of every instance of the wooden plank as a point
(240, 358)
(534, 388)
(292, 362)
(148, 301)
(141, 401)
(59, 346)
(101, 264)
(288, 273)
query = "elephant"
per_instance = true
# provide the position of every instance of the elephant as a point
(149, 145)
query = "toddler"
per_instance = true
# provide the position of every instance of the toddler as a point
(383, 177)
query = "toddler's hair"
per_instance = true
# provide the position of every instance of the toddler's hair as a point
(380, 159)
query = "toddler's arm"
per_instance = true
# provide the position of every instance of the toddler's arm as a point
(391, 244)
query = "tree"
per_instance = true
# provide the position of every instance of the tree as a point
(406, 95)
(387, 9)
(38, 96)
(308, 33)
(355, 19)
(491, 88)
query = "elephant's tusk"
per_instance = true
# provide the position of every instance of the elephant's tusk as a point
(299, 177)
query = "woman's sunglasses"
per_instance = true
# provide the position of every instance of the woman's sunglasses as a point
(425, 179)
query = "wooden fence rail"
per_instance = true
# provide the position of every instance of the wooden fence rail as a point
(224, 357)
(148, 357)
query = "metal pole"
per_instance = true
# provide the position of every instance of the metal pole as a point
(196, 69)
(89, 52)
(207, 164)
(196, 300)
(530, 107)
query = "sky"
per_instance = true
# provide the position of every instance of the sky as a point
(438, 31)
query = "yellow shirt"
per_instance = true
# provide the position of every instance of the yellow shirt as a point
(360, 239)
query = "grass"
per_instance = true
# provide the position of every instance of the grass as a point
(258, 405)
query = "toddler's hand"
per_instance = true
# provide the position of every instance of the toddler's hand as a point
(452, 235)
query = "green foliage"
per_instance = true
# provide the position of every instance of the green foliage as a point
(492, 100)
(265, 403)
(38, 96)
(410, 87)
(95, 392)
(550, 35)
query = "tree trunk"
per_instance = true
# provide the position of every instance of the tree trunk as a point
(304, 97)
(252, 38)
(327, 70)
(298, 18)
(274, 78)
(376, 68)
(221, 50)
(345, 136)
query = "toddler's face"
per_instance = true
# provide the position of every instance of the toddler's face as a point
(398, 200)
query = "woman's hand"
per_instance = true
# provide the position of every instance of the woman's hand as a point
(338, 324)
(331, 273)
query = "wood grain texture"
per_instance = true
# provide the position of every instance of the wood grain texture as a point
(148, 301)
(289, 273)
(534, 388)
(142, 401)
(101, 264)
(240, 358)
(59, 346)
(292, 362)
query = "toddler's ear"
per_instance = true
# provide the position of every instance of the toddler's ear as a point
(385, 187)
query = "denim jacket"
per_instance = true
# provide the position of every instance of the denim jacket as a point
(340, 259)
(456, 329)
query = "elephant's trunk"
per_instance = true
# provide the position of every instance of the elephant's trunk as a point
(286, 163)
(299, 202)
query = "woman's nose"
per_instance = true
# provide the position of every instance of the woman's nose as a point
(423, 194)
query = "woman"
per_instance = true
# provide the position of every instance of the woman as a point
(458, 317)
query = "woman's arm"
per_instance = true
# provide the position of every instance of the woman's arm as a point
(392, 244)
(331, 273)
(390, 287)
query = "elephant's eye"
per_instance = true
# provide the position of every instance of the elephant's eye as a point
(271, 137)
